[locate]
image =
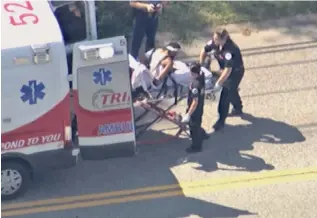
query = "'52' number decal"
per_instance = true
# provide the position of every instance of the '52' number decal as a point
(22, 19)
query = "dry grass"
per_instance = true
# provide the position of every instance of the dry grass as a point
(183, 18)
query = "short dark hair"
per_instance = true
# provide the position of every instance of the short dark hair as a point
(221, 33)
(195, 68)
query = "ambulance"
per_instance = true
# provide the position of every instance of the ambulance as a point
(65, 95)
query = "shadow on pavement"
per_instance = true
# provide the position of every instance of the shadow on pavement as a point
(151, 167)
(226, 146)
(154, 166)
(179, 207)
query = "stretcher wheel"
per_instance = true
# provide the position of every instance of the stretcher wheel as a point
(210, 96)
(178, 118)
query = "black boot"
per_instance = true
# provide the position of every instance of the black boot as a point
(236, 112)
(204, 134)
(219, 125)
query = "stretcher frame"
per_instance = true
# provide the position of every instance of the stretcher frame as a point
(152, 106)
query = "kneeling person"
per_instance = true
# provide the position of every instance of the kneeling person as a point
(195, 108)
(160, 61)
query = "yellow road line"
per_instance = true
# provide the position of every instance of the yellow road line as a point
(92, 203)
(177, 190)
(89, 197)
(210, 181)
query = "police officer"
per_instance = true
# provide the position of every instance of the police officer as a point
(229, 56)
(195, 109)
(145, 23)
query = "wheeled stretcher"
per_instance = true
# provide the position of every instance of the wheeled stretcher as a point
(174, 86)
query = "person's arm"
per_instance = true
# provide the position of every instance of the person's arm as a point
(168, 65)
(224, 75)
(195, 95)
(144, 59)
(193, 106)
(142, 6)
(228, 68)
(205, 50)
(195, 92)
(148, 53)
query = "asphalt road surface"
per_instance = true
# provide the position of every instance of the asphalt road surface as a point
(262, 165)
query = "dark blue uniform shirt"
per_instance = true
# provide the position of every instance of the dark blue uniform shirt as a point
(229, 57)
(197, 91)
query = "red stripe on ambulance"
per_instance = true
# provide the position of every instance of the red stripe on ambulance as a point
(41, 131)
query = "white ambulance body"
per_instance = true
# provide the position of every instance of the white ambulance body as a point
(36, 132)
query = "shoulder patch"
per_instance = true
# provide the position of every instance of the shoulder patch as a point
(228, 56)
(195, 91)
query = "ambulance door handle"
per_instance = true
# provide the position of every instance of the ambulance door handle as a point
(6, 120)
(41, 53)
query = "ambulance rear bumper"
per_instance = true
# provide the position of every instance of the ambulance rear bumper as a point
(54, 160)
(46, 161)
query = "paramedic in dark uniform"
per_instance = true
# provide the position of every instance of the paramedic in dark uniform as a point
(145, 23)
(195, 109)
(231, 73)
(71, 19)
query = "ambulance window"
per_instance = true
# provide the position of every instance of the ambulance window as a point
(57, 4)
(72, 21)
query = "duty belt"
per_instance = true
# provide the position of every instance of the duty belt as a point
(236, 68)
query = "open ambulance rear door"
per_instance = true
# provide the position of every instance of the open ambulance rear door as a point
(102, 99)
(116, 139)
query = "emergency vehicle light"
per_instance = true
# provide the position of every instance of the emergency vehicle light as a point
(94, 52)
(106, 52)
